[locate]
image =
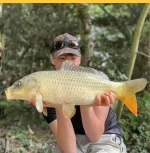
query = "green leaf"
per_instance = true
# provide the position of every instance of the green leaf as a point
(126, 135)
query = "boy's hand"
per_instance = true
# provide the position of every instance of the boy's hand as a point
(45, 103)
(100, 100)
(105, 100)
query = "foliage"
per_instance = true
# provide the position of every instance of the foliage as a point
(113, 29)
(27, 139)
(136, 130)
(18, 111)
(29, 29)
(22, 140)
(18, 119)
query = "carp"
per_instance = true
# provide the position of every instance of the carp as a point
(73, 85)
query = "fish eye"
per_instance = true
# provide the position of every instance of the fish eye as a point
(18, 83)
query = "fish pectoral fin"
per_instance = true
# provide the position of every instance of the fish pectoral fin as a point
(39, 102)
(45, 111)
(68, 110)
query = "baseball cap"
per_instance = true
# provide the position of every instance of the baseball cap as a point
(65, 43)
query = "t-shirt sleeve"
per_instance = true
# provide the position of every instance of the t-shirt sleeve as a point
(51, 115)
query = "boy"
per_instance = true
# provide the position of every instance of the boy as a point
(93, 129)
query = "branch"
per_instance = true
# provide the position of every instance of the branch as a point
(27, 49)
(30, 130)
(114, 20)
(136, 39)
(7, 143)
(134, 49)
(143, 54)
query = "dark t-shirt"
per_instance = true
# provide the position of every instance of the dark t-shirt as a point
(111, 124)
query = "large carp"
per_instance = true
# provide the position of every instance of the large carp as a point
(72, 85)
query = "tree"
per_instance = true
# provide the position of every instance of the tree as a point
(29, 30)
(1, 40)
(86, 34)
(134, 50)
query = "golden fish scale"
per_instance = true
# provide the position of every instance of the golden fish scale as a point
(80, 88)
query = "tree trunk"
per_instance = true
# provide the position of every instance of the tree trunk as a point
(136, 39)
(134, 51)
(1, 40)
(86, 36)
(1, 10)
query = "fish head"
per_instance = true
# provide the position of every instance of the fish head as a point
(23, 89)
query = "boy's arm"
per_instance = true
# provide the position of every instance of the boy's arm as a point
(64, 133)
(94, 117)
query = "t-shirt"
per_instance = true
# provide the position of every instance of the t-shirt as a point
(111, 124)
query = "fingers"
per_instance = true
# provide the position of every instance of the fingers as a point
(105, 100)
(47, 104)
(109, 98)
(31, 102)
(98, 100)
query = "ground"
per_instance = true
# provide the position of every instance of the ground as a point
(34, 138)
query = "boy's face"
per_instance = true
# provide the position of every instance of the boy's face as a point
(57, 62)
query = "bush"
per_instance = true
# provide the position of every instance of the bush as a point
(136, 130)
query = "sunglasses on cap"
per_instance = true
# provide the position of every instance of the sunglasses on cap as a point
(65, 42)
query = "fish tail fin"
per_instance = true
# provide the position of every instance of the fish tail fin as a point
(131, 87)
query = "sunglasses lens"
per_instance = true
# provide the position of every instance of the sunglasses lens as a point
(65, 42)
(58, 45)
(74, 44)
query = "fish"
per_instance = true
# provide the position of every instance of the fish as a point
(73, 85)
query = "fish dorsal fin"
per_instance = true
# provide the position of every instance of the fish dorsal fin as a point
(39, 102)
(68, 66)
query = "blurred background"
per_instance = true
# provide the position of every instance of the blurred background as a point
(28, 31)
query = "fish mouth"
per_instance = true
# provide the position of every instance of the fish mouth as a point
(8, 95)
